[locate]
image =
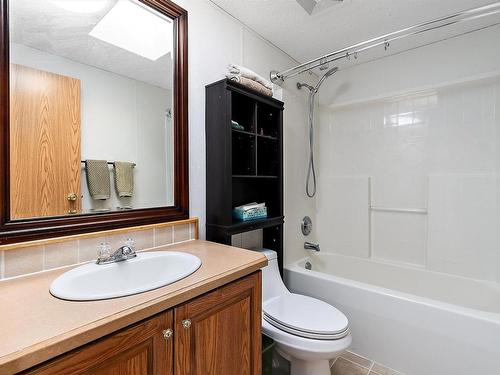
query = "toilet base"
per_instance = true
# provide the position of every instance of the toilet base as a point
(314, 367)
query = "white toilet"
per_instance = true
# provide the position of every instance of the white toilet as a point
(308, 332)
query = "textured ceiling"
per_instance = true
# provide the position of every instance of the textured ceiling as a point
(42, 25)
(305, 37)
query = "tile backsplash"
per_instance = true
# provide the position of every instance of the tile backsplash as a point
(54, 253)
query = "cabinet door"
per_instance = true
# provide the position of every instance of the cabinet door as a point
(219, 333)
(141, 349)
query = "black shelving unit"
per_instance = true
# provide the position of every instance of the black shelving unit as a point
(244, 165)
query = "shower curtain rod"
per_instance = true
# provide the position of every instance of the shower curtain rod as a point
(346, 53)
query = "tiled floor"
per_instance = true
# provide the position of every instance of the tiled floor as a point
(347, 364)
(353, 364)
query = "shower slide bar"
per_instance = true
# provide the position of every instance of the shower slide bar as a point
(422, 211)
(384, 40)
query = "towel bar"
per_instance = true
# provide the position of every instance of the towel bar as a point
(109, 162)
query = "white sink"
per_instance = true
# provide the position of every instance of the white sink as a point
(145, 272)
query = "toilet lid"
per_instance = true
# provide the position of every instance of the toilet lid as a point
(305, 316)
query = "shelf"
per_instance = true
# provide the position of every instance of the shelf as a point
(243, 150)
(253, 134)
(268, 157)
(242, 132)
(267, 137)
(243, 165)
(244, 226)
(243, 111)
(251, 176)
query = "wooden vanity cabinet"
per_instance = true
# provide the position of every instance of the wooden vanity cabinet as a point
(220, 333)
(217, 333)
(137, 350)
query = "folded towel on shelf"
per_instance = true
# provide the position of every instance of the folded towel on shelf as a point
(247, 73)
(124, 178)
(236, 126)
(254, 85)
(98, 179)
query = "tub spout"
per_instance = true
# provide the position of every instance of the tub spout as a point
(311, 246)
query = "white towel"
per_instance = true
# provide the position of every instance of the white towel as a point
(254, 85)
(247, 73)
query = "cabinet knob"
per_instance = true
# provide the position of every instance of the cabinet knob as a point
(186, 323)
(167, 333)
(72, 197)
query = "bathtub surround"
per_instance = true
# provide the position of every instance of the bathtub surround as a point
(36, 256)
(409, 163)
(413, 179)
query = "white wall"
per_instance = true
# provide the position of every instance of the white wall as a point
(121, 119)
(418, 130)
(216, 39)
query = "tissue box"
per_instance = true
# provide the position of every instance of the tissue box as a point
(251, 214)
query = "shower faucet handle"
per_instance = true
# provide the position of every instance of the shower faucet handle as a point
(306, 225)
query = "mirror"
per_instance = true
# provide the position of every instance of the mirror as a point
(93, 115)
(91, 107)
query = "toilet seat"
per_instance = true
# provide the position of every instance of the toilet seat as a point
(304, 348)
(305, 317)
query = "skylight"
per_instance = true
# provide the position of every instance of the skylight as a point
(317, 6)
(137, 29)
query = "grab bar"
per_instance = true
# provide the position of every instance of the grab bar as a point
(421, 211)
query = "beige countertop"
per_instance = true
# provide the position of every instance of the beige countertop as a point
(35, 326)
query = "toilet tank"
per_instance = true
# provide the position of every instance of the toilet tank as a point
(272, 284)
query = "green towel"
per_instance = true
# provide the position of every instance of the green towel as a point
(124, 178)
(98, 179)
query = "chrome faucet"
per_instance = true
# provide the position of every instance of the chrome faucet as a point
(123, 253)
(311, 246)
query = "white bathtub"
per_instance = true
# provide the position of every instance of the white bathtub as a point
(413, 320)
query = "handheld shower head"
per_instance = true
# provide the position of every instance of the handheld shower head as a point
(325, 76)
(332, 71)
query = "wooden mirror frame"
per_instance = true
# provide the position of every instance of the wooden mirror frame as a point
(12, 231)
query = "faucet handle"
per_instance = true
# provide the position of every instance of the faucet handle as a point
(103, 251)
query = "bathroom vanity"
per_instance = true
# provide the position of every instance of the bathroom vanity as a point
(207, 323)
